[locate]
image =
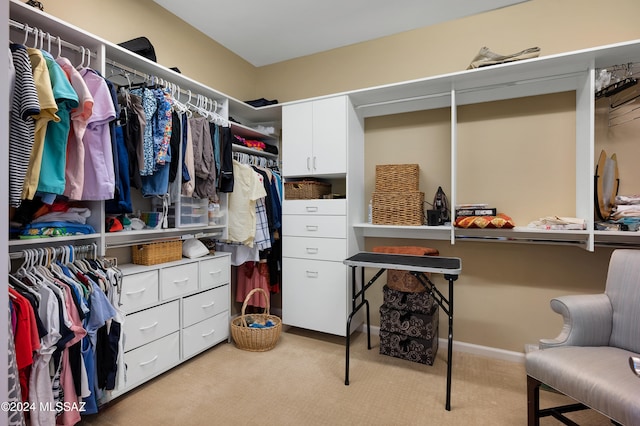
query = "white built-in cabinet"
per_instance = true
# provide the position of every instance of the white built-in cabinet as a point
(315, 139)
(313, 293)
(323, 139)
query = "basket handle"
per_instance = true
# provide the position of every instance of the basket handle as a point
(246, 301)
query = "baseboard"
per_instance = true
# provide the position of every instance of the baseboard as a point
(471, 348)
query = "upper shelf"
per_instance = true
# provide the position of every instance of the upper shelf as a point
(544, 75)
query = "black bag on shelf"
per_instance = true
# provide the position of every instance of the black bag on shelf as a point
(142, 46)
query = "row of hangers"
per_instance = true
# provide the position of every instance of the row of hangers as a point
(255, 160)
(195, 104)
(39, 264)
(202, 105)
(619, 84)
(39, 37)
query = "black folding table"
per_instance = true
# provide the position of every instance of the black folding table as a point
(418, 266)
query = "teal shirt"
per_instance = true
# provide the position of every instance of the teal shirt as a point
(54, 152)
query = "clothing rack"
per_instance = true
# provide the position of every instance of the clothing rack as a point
(37, 33)
(53, 252)
(204, 105)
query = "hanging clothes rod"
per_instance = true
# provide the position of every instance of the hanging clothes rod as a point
(29, 30)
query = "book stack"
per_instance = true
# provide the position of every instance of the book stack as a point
(479, 209)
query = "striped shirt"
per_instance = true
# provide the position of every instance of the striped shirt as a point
(21, 123)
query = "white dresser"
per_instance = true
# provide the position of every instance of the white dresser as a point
(173, 311)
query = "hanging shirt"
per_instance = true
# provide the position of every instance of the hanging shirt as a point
(24, 108)
(74, 167)
(149, 106)
(188, 167)
(242, 204)
(48, 112)
(203, 157)
(54, 153)
(99, 182)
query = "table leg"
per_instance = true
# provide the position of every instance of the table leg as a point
(451, 279)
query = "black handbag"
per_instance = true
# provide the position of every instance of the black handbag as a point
(142, 46)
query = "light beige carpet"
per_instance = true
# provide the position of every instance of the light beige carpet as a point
(301, 382)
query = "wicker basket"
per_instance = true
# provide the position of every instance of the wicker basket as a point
(255, 339)
(398, 208)
(306, 190)
(397, 177)
(154, 253)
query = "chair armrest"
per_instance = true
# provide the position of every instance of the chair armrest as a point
(587, 320)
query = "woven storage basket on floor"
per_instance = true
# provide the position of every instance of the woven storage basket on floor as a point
(255, 339)
(306, 190)
(397, 177)
(154, 253)
(397, 208)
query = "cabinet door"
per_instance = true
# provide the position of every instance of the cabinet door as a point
(330, 136)
(297, 133)
(314, 295)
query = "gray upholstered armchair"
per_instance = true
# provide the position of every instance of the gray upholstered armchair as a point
(589, 360)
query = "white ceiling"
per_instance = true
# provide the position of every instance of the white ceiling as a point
(264, 32)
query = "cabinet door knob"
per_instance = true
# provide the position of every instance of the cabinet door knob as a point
(312, 274)
(312, 228)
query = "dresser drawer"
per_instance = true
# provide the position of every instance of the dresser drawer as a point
(214, 272)
(152, 359)
(315, 226)
(151, 324)
(315, 248)
(139, 290)
(314, 207)
(178, 280)
(205, 334)
(204, 305)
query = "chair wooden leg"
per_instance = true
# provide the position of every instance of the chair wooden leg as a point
(533, 401)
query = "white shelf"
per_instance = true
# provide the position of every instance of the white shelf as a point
(515, 235)
(412, 232)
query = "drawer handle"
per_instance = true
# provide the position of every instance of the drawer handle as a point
(312, 250)
(142, 290)
(312, 274)
(142, 364)
(209, 333)
(148, 327)
(182, 281)
(312, 228)
(208, 305)
(312, 208)
(215, 272)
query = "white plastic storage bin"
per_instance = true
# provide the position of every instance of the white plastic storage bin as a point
(193, 212)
